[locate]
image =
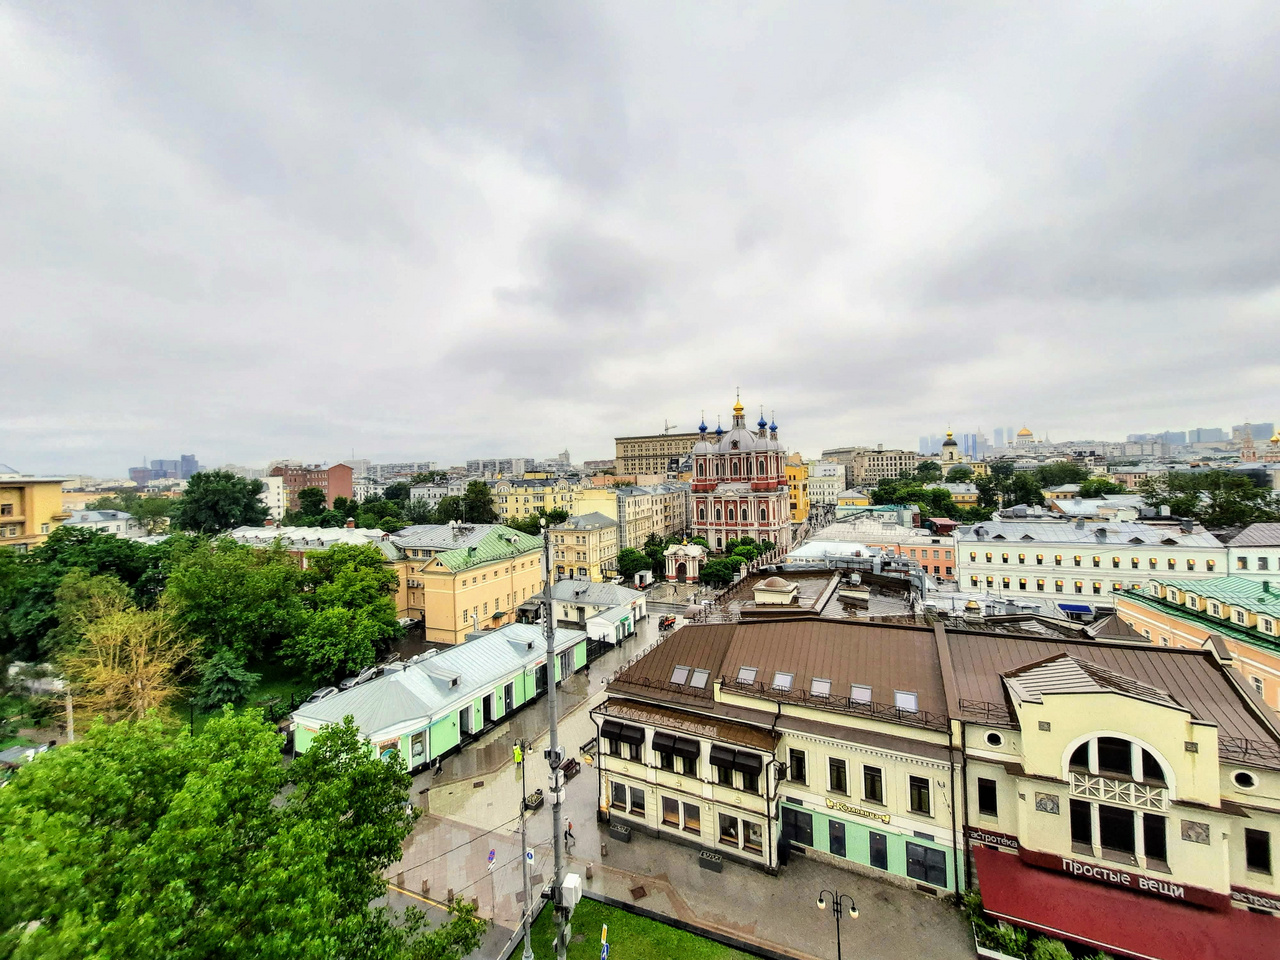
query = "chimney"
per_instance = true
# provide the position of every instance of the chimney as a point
(351, 523)
(268, 522)
(1188, 526)
(1080, 523)
(1101, 533)
(1266, 586)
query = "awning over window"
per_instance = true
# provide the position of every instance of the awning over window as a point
(748, 762)
(613, 730)
(1116, 920)
(687, 748)
(664, 742)
(722, 756)
(1075, 608)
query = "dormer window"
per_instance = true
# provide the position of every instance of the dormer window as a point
(746, 675)
(819, 688)
(782, 681)
(680, 675)
(906, 701)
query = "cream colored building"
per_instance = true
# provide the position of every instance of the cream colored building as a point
(630, 507)
(825, 490)
(460, 579)
(651, 454)
(30, 509)
(871, 466)
(585, 547)
(524, 498)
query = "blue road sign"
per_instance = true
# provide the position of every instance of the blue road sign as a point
(604, 951)
(492, 855)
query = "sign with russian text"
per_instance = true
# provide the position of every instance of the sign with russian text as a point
(1254, 898)
(856, 811)
(991, 838)
(1125, 878)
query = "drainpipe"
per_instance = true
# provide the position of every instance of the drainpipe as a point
(771, 803)
(955, 836)
(964, 789)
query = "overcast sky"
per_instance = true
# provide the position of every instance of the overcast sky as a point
(430, 231)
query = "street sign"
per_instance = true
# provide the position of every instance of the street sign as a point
(492, 854)
(604, 933)
(528, 855)
(604, 951)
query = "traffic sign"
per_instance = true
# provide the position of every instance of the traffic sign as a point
(492, 855)
(604, 933)
(604, 951)
(528, 855)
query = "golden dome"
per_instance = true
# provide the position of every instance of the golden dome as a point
(1275, 437)
(1024, 432)
(948, 434)
(738, 408)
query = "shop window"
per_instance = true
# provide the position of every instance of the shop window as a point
(926, 864)
(872, 784)
(798, 825)
(1257, 850)
(728, 829)
(752, 836)
(839, 781)
(417, 745)
(796, 771)
(637, 801)
(879, 850)
(919, 791)
(835, 838)
(692, 818)
(619, 795)
(987, 804)
(670, 812)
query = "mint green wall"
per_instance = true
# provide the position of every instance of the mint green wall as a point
(444, 733)
(857, 842)
(579, 655)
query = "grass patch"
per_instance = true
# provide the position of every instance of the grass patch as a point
(278, 681)
(7, 742)
(630, 937)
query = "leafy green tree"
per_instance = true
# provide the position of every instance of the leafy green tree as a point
(331, 519)
(718, 572)
(1217, 498)
(432, 477)
(928, 471)
(1002, 469)
(337, 642)
(419, 511)
(346, 506)
(311, 501)
(142, 841)
(76, 596)
(218, 500)
(478, 503)
(989, 493)
(701, 541)
(1024, 489)
(960, 473)
(631, 561)
(448, 509)
(1056, 474)
(224, 679)
(153, 512)
(1097, 486)
(238, 598)
(398, 492)
(357, 578)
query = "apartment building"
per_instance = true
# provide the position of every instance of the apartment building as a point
(335, 481)
(651, 454)
(523, 498)
(871, 466)
(585, 547)
(1121, 796)
(30, 509)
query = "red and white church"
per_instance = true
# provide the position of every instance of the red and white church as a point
(740, 484)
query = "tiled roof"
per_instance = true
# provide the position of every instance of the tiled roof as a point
(1258, 535)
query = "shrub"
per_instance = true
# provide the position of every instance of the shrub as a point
(1042, 948)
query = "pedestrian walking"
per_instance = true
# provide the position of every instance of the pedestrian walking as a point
(568, 832)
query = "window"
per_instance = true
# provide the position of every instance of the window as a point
(1057, 586)
(1082, 825)
(417, 744)
(1077, 561)
(680, 675)
(1154, 837)
(835, 838)
(796, 771)
(1239, 616)
(873, 784)
(728, 829)
(6, 509)
(699, 678)
(1262, 563)
(1210, 564)
(724, 775)
(1097, 588)
(670, 812)
(987, 805)
(637, 801)
(1115, 757)
(782, 681)
(636, 751)
(819, 688)
(926, 864)
(879, 850)
(750, 782)
(1257, 683)
(1242, 563)
(692, 818)
(860, 693)
(797, 825)
(752, 836)
(905, 700)
(689, 766)
(1257, 850)
(746, 674)
(1115, 830)
(1152, 563)
(919, 789)
(1115, 563)
(666, 759)
(839, 781)
(1097, 561)
(619, 795)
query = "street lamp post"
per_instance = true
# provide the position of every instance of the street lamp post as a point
(838, 901)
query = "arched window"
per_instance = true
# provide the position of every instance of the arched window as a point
(717, 514)
(762, 467)
(764, 515)
(702, 513)
(1117, 757)
(735, 468)
(731, 515)
(702, 469)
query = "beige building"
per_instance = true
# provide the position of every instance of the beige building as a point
(460, 578)
(871, 466)
(651, 454)
(630, 507)
(585, 547)
(670, 508)
(825, 490)
(30, 509)
(523, 498)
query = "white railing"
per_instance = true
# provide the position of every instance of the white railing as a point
(1119, 791)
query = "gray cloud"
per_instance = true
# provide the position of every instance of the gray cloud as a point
(447, 230)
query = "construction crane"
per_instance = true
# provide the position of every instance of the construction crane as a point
(667, 427)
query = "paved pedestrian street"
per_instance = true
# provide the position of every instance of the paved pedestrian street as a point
(473, 807)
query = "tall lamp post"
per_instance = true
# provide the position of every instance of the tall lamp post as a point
(838, 902)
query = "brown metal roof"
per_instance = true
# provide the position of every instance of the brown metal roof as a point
(699, 725)
(1191, 677)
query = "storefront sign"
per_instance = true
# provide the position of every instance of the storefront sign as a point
(1118, 876)
(1253, 898)
(856, 811)
(991, 838)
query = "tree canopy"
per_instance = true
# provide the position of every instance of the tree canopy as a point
(217, 500)
(143, 842)
(153, 512)
(1217, 498)
(1097, 486)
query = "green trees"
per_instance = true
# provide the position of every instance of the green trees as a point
(631, 561)
(928, 471)
(960, 473)
(311, 501)
(1217, 498)
(1097, 486)
(217, 500)
(718, 572)
(223, 680)
(397, 492)
(478, 503)
(152, 512)
(141, 842)
(1056, 474)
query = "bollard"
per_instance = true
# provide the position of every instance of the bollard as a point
(604, 850)
(450, 897)
(426, 888)
(590, 873)
(400, 879)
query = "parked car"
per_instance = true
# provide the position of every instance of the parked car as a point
(368, 673)
(321, 694)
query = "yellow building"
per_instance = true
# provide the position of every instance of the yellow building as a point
(798, 485)
(631, 507)
(30, 509)
(524, 498)
(651, 454)
(461, 578)
(853, 498)
(585, 547)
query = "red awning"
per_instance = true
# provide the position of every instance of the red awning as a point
(1119, 921)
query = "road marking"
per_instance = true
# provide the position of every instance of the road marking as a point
(418, 896)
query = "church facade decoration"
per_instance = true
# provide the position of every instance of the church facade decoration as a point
(740, 484)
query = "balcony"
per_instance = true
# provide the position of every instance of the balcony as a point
(1133, 794)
